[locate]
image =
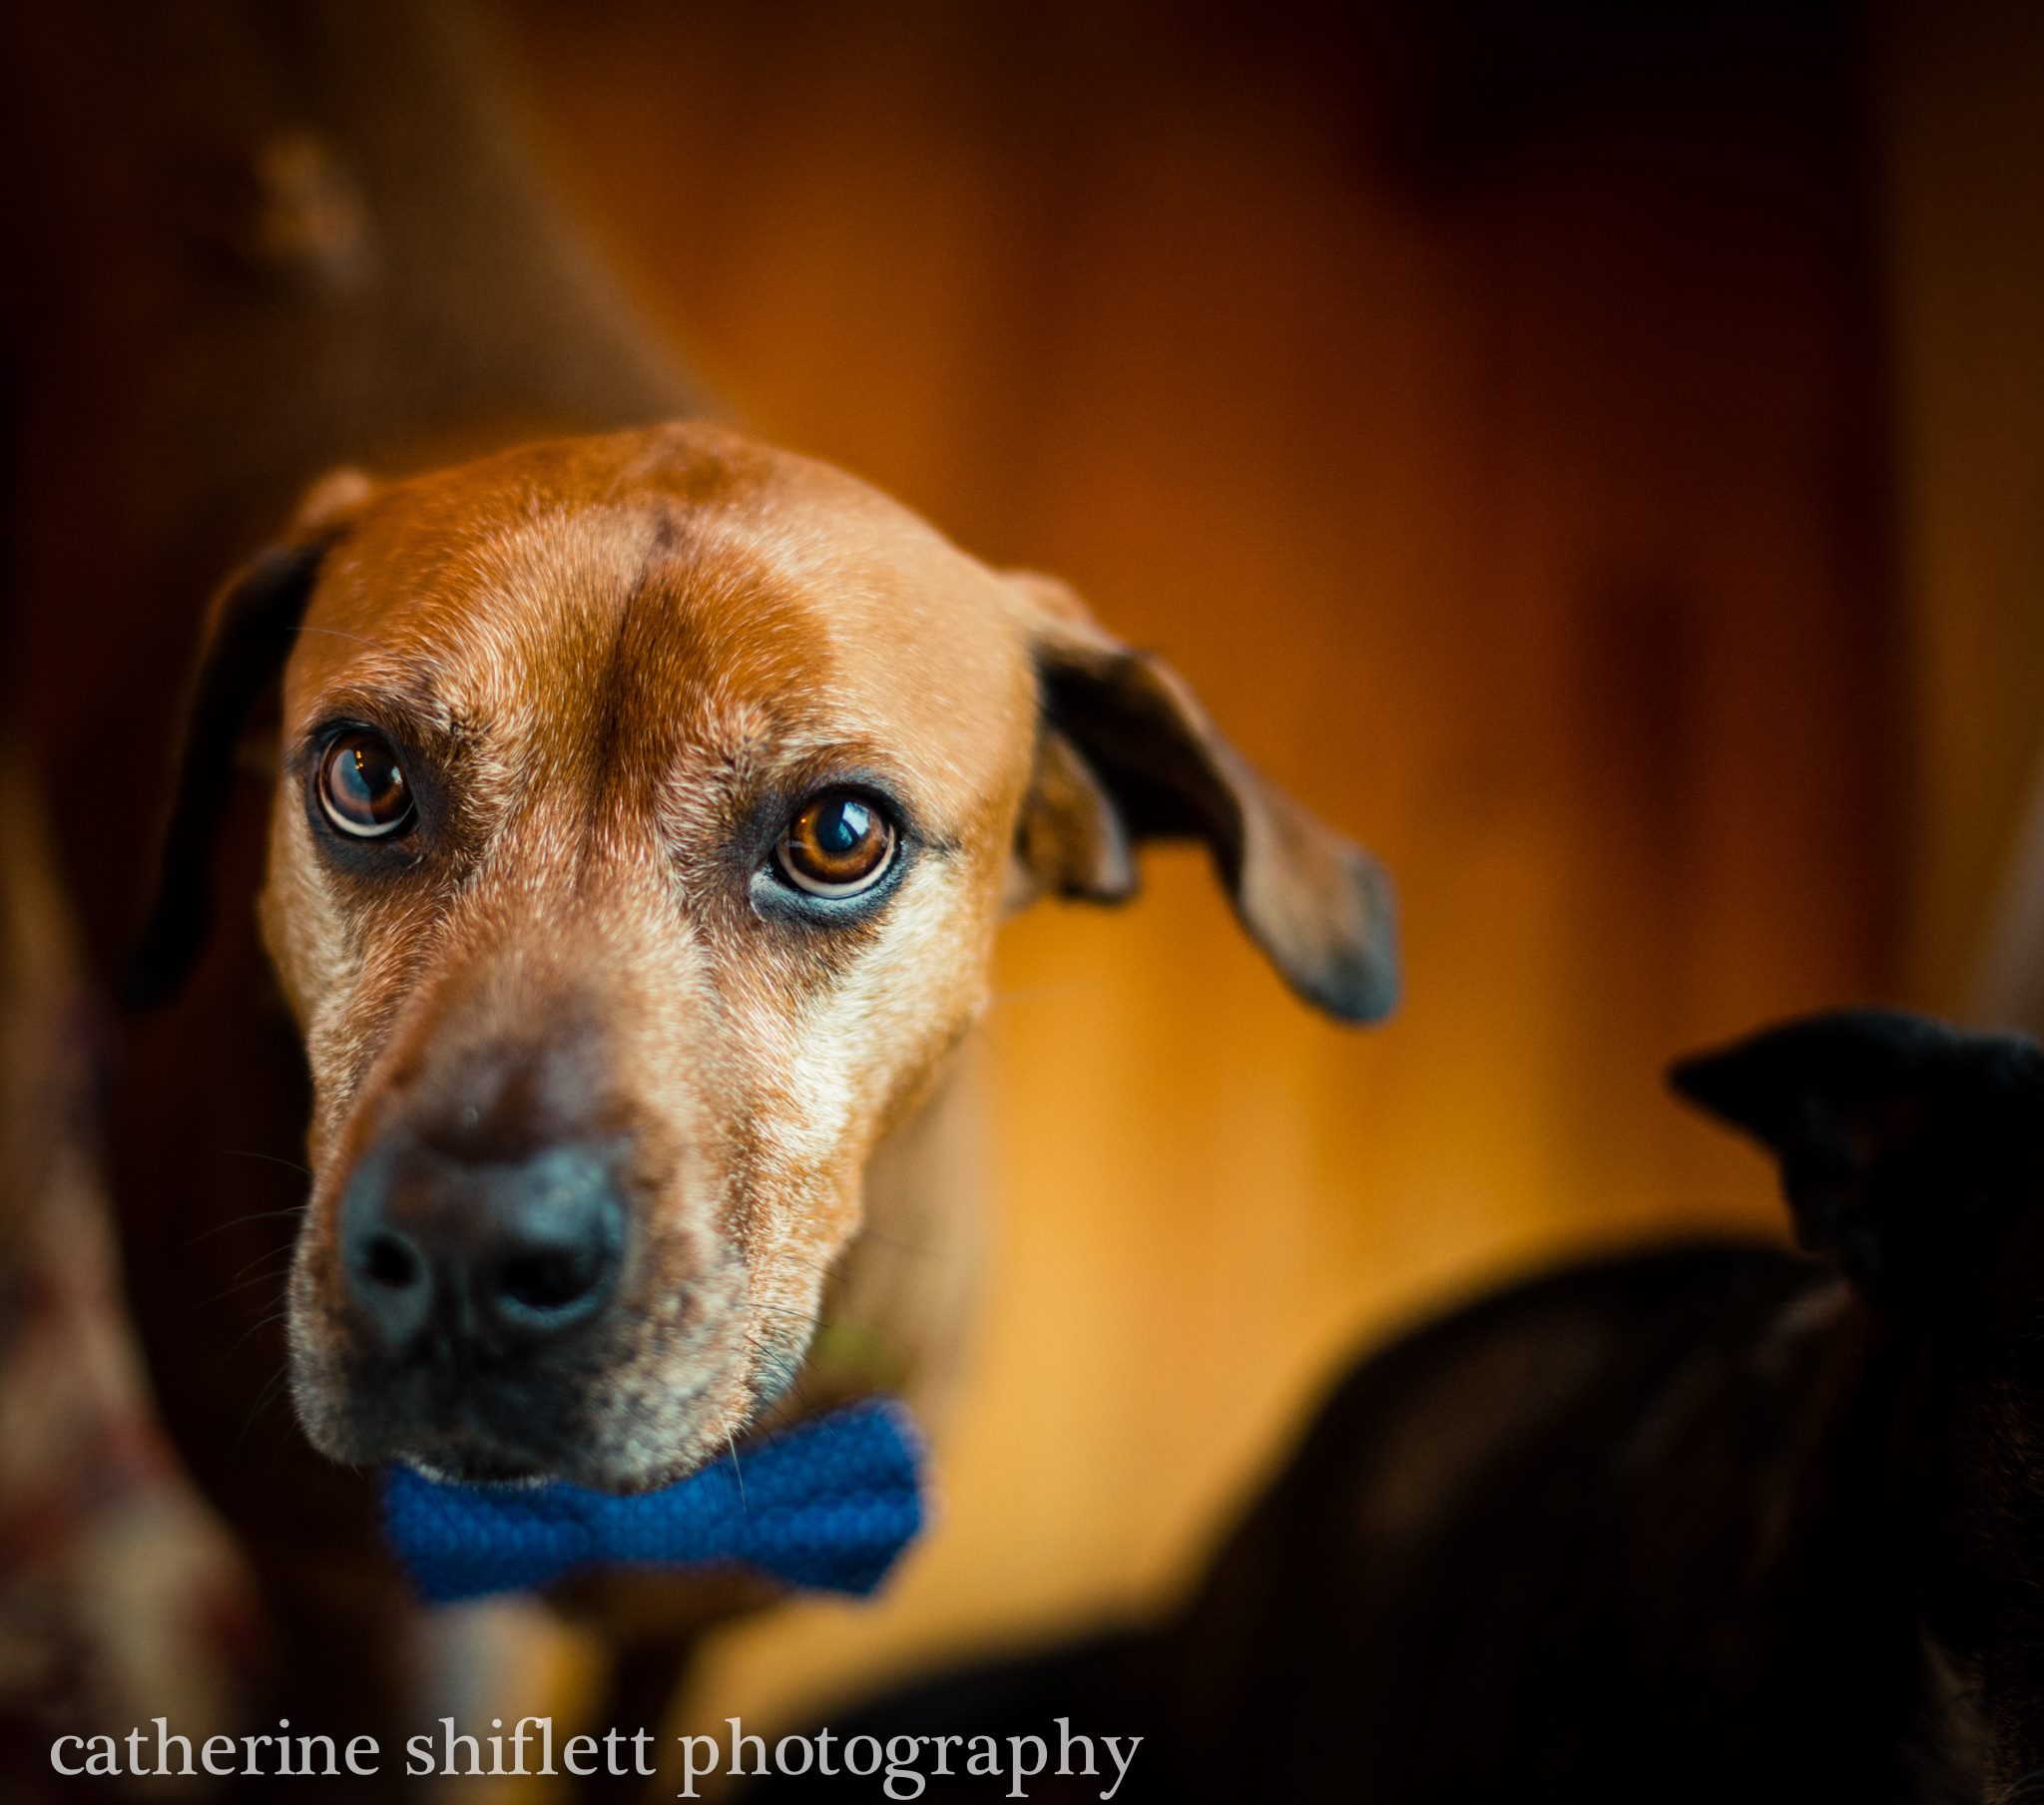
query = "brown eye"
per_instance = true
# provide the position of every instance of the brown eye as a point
(839, 845)
(362, 788)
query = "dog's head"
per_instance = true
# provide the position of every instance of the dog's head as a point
(645, 809)
(1912, 1155)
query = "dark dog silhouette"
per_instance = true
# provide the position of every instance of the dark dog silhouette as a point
(1712, 1523)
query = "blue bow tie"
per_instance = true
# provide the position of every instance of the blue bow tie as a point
(829, 1505)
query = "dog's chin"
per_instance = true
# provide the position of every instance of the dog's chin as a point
(477, 1465)
(462, 1452)
(466, 1458)
(455, 1447)
(486, 1440)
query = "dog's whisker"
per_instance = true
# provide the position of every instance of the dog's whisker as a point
(247, 1284)
(281, 1256)
(794, 1402)
(738, 1472)
(283, 1251)
(273, 1387)
(258, 1215)
(334, 633)
(241, 1152)
(253, 1328)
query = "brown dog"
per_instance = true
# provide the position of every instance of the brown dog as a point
(644, 808)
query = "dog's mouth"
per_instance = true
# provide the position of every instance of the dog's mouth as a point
(606, 1424)
(474, 1461)
(474, 1430)
(482, 1438)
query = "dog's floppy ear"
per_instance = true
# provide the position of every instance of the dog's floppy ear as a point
(1893, 1131)
(249, 629)
(1125, 753)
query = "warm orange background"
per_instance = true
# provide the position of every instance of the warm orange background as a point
(1570, 458)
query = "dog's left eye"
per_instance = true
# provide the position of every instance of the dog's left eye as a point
(838, 846)
(362, 788)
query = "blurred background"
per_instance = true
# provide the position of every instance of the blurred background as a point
(1592, 454)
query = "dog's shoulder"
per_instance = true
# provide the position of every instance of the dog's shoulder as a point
(1623, 1415)
(1551, 1405)
(1591, 1343)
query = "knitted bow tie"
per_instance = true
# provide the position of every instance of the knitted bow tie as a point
(827, 1506)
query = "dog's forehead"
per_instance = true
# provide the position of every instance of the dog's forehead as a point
(693, 587)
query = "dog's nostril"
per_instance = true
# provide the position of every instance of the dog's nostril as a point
(503, 1258)
(387, 1260)
(547, 1281)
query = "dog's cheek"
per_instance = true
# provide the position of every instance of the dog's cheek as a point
(317, 954)
(856, 1061)
(300, 926)
(896, 1020)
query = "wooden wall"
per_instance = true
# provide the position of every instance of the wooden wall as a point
(1963, 142)
(1489, 424)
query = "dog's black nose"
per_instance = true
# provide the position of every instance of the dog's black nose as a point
(483, 1257)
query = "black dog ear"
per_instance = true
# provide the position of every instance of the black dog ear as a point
(1127, 755)
(1893, 1130)
(249, 627)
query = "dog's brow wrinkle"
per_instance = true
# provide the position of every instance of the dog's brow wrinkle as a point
(607, 730)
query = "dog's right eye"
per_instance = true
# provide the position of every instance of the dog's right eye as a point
(839, 846)
(362, 790)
